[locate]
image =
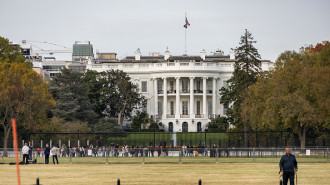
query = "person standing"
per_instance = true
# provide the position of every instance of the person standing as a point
(25, 151)
(53, 152)
(30, 151)
(288, 167)
(47, 152)
(39, 151)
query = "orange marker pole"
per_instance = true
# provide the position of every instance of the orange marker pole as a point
(13, 124)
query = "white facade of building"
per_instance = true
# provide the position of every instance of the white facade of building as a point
(182, 92)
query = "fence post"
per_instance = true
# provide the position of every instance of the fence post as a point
(200, 182)
(118, 181)
(50, 143)
(70, 158)
(143, 154)
(181, 153)
(106, 158)
(327, 155)
(254, 159)
(37, 183)
(217, 155)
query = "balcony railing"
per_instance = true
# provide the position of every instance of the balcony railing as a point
(199, 115)
(170, 116)
(184, 116)
(185, 91)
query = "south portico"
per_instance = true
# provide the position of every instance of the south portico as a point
(172, 105)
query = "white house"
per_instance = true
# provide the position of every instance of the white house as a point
(182, 92)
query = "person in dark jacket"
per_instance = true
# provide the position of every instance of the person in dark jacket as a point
(288, 167)
(47, 152)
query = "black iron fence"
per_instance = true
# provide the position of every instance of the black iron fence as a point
(106, 155)
(167, 139)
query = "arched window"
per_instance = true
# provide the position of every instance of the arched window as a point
(170, 127)
(199, 127)
(184, 127)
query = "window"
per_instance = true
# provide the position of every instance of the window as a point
(144, 106)
(185, 85)
(185, 107)
(198, 106)
(172, 86)
(159, 86)
(199, 127)
(172, 107)
(209, 86)
(160, 108)
(210, 107)
(170, 127)
(225, 84)
(144, 86)
(198, 85)
(184, 127)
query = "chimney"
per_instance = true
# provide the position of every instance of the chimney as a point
(137, 54)
(232, 54)
(203, 54)
(167, 54)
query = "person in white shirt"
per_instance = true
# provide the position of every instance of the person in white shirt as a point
(25, 151)
(53, 152)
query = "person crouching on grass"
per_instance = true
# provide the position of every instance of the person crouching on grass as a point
(53, 152)
(288, 167)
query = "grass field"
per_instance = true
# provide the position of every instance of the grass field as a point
(228, 171)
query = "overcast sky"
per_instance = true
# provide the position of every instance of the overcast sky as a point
(122, 26)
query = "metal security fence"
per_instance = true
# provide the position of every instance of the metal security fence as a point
(264, 139)
(124, 154)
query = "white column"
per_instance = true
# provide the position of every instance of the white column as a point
(156, 96)
(214, 95)
(177, 98)
(165, 98)
(192, 115)
(204, 98)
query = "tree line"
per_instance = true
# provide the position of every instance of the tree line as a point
(293, 96)
(71, 102)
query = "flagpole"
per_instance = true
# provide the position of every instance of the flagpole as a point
(185, 37)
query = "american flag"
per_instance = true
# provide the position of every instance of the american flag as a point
(187, 23)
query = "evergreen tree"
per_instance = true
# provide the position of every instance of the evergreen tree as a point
(246, 70)
(70, 93)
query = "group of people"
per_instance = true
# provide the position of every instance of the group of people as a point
(188, 150)
(27, 153)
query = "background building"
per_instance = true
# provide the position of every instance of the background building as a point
(182, 92)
